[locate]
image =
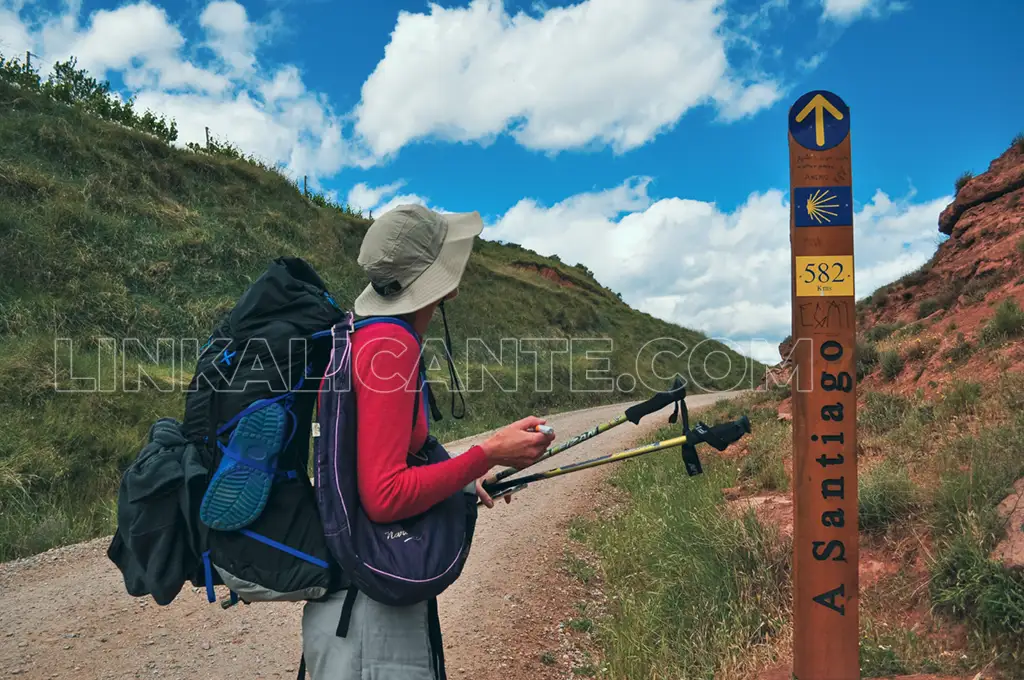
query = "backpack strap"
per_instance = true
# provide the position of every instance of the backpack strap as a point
(436, 642)
(346, 612)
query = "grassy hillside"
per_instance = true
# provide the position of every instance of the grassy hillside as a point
(107, 231)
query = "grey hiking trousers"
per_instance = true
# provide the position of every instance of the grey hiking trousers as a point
(381, 642)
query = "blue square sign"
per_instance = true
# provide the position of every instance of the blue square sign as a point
(823, 206)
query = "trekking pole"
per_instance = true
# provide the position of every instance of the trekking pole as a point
(632, 414)
(719, 437)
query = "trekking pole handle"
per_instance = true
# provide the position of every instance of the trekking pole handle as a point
(720, 436)
(657, 402)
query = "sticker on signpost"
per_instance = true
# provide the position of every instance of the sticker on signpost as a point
(819, 120)
(823, 206)
(824, 275)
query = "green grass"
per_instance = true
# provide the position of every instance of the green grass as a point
(961, 399)
(960, 351)
(892, 364)
(882, 412)
(1006, 324)
(978, 471)
(867, 358)
(699, 591)
(886, 496)
(764, 465)
(110, 232)
(694, 588)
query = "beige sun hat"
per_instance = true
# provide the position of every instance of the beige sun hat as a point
(413, 257)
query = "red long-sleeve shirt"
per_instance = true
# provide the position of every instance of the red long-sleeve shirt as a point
(385, 361)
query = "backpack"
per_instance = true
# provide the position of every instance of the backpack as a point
(249, 411)
(398, 563)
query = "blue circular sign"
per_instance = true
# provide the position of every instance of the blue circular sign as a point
(819, 120)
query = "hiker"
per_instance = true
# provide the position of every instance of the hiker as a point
(415, 259)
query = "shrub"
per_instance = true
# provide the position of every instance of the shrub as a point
(962, 180)
(892, 364)
(1020, 245)
(886, 495)
(919, 275)
(960, 351)
(928, 307)
(962, 397)
(74, 87)
(867, 358)
(916, 351)
(978, 287)
(1006, 324)
(966, 584)
(881, 331)
(1018, 142)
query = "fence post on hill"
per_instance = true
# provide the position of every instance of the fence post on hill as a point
(825, 537)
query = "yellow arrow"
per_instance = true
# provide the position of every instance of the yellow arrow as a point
(819, 105)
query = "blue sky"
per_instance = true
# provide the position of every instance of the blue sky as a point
(644, 138)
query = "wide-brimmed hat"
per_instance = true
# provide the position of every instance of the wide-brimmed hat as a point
(413, 257)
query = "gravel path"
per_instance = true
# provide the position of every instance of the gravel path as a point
(65, 613)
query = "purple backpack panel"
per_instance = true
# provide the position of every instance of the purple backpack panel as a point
(397, 563)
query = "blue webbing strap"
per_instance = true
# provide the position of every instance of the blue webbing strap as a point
(208, 570)
(262, 467)
(281, 546)
(255, 407)
(248, 409)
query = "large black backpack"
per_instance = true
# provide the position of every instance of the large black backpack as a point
(274, 345)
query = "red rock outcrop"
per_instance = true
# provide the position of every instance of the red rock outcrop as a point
(1004, 175)
(546, 272)
(947, 303)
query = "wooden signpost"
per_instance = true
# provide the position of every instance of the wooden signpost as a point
(825, 550)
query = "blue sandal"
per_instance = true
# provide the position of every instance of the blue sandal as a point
(239, 489)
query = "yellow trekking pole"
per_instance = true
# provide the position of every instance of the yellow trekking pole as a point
(719, 437)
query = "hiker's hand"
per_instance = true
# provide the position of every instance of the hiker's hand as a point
(485, 497)
(515, 446)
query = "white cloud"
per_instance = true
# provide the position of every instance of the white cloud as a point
(265, 112)
(812, 62)
(371, 200)
(762, 18)
(364, 197)
(15, 39)
(597, 72)
(405, 199)
(726, 274)
(845, 11)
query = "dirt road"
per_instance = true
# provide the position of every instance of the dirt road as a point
(65, 613)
